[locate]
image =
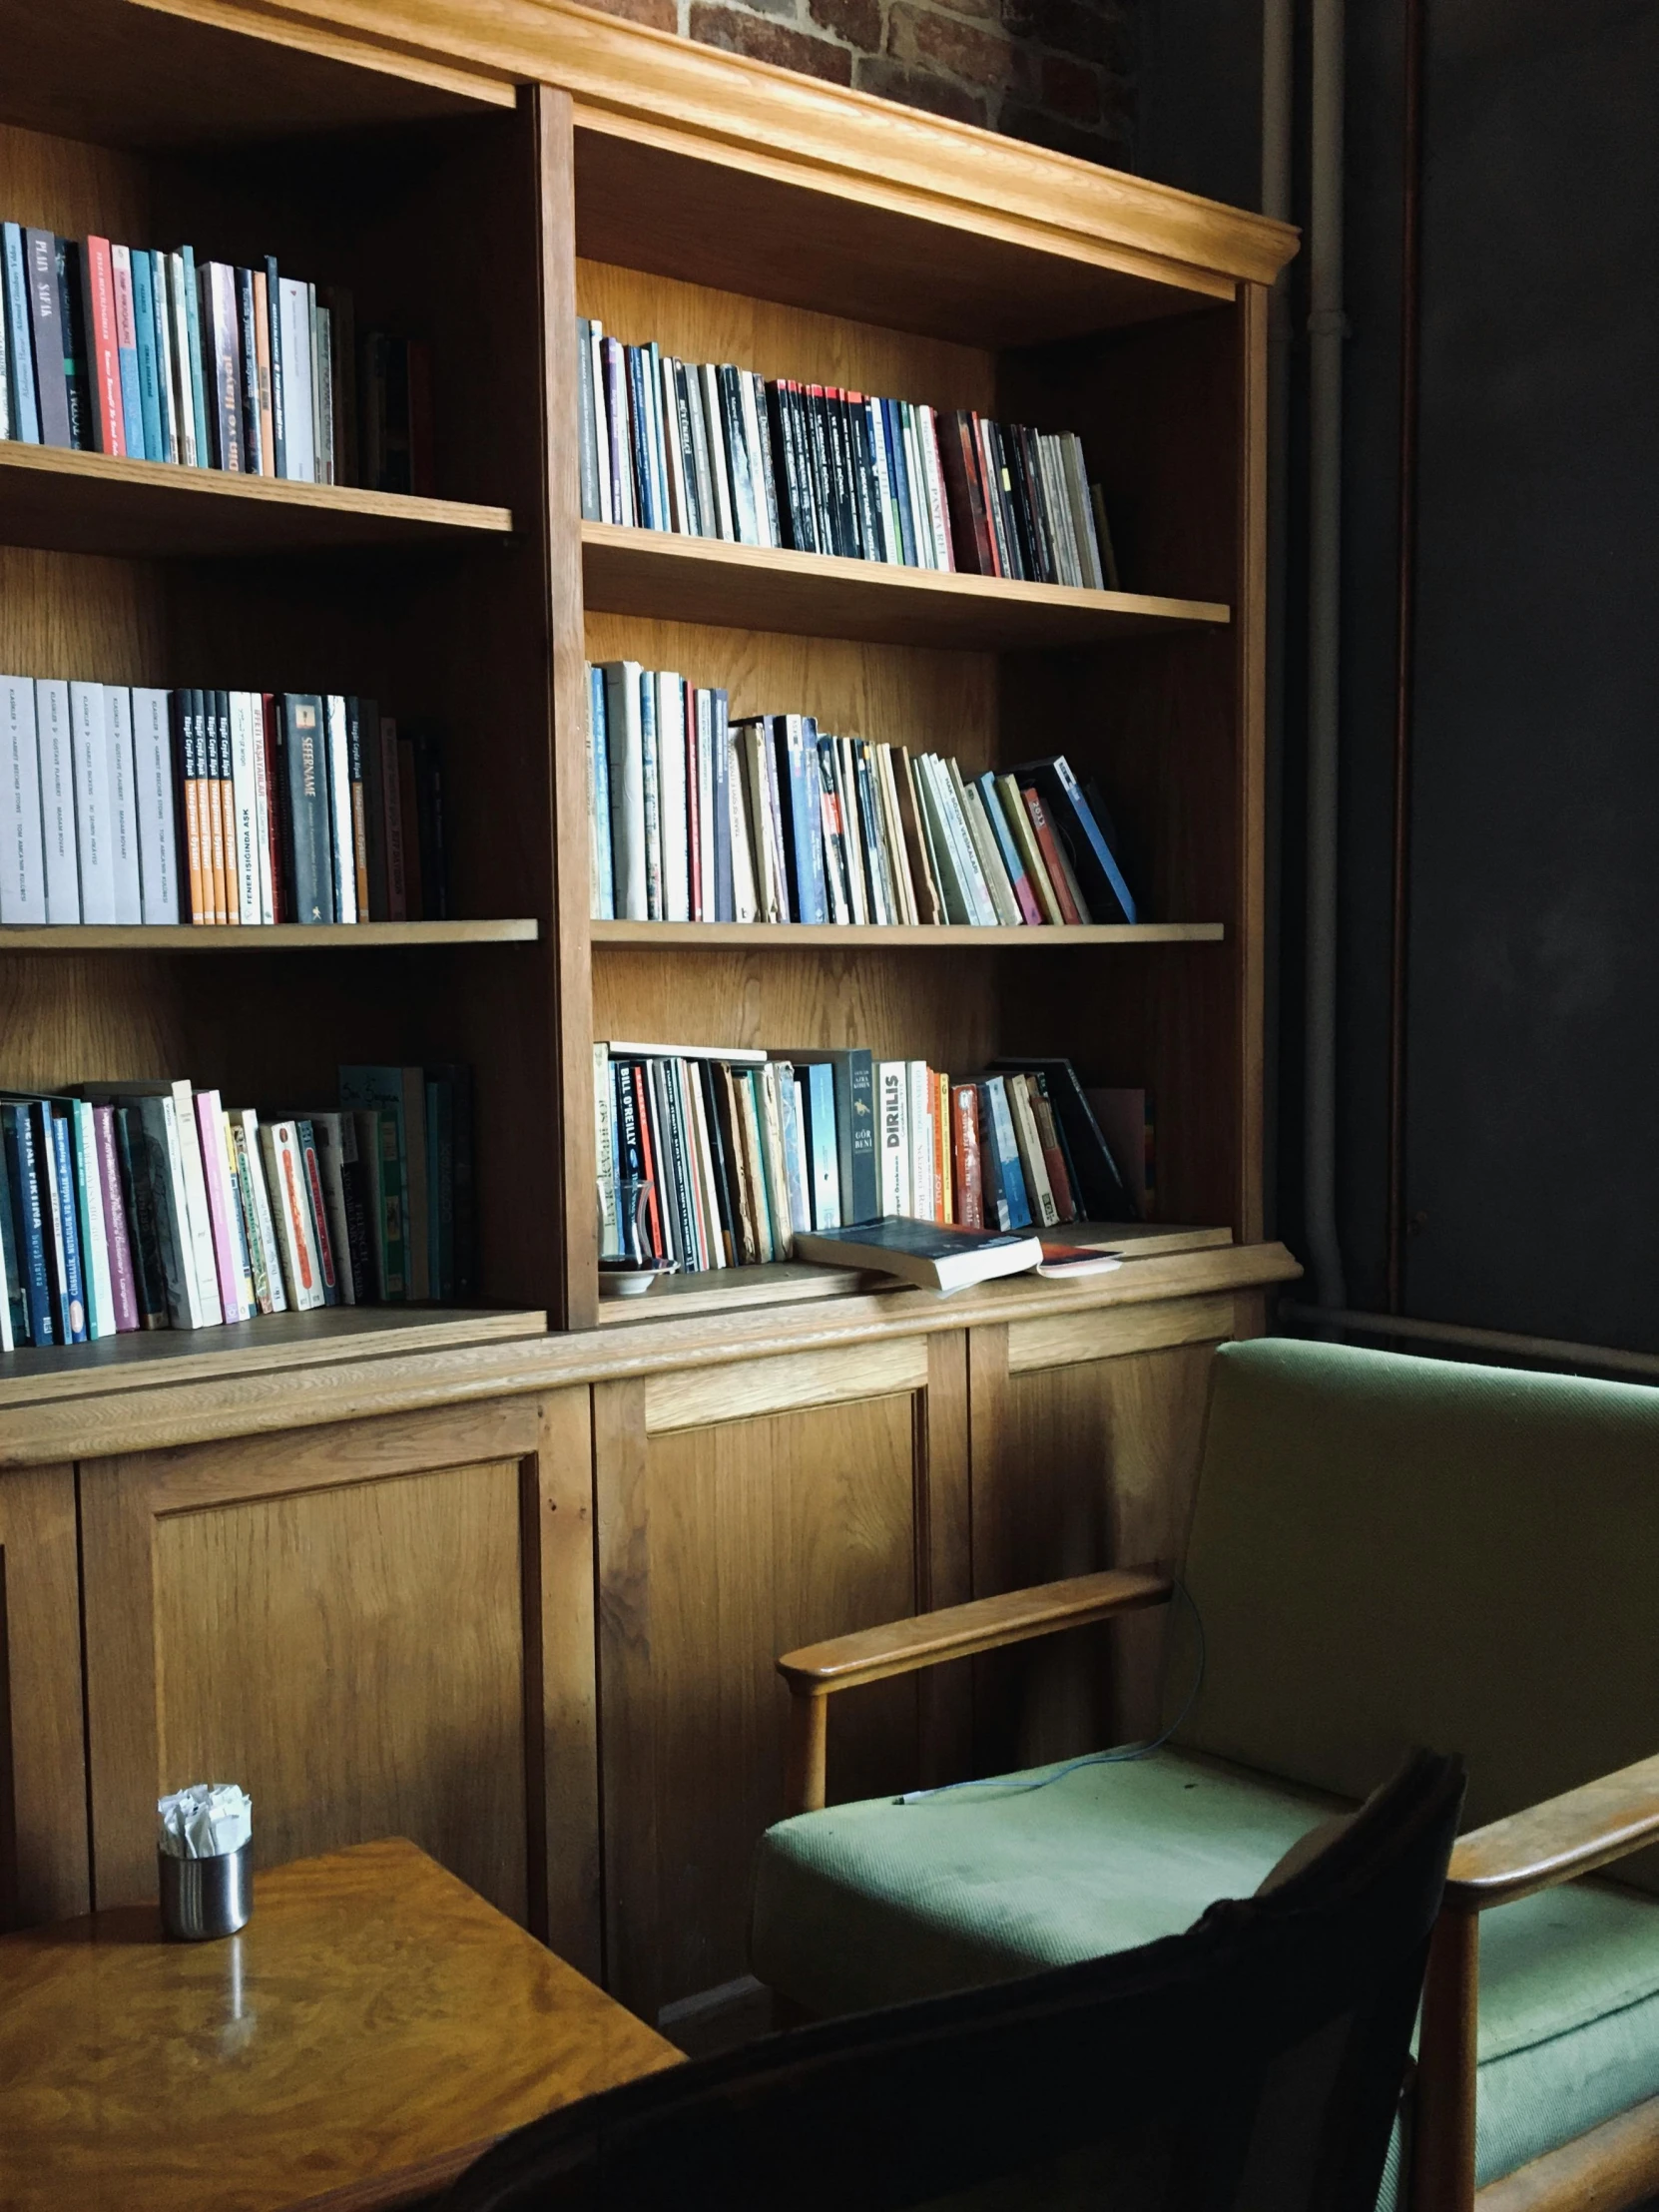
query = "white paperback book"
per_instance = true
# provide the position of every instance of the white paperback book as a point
(893, 1135)
(128, 896)
(672, 796)
(22, 861)
(248, 1122)
(296, 328)
(157, 848)
(340, 812)
(261, 813)
(57, 799)
(94, 847)
(199, 1254)
(243, 800)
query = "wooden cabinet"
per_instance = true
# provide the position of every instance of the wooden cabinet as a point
(376, 1627)
(43, 1835)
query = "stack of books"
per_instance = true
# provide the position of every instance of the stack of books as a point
(697, 817)
(715, 451)
(109, 348)
(150, 1205)
(719, 1157)
(122, 806)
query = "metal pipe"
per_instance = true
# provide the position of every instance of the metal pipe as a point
(1558, 1352)
(1326, 331)
(1405, 581)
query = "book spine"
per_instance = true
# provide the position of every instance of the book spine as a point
(918, 1108)
(221, 320)
(244, 857)
(316, 1221)
(1008, 1153)
(133, 425)
(819, 1099)
(124, 827)
(138, 1203)
(26, 1176)
(265, 1224)
(893, 1081)
(357, 770)
(108, 429)
(222, 807)
(964, 1152)
(342, 840)
(1033, 1168)
(210, 1132)
(1025, 896)
(50, 345)
(90, 1224)
(292, 1204)
(89, 723)
(1059, 874)
(158, 1124)
(25, 406)
(72, 1279)
(153, 317)
(258, 352)
(21, 859)
(122, 1288)
(308, 805)
(56, 746)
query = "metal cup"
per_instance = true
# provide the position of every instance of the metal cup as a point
(203, 1898)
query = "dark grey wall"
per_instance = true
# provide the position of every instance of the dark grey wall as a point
(1533, 1122)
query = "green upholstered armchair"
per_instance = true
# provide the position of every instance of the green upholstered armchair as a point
(1384, 1551)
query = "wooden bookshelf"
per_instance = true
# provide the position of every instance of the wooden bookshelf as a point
(98, 503)
(950, 937)
(361, 937)
(705, 580)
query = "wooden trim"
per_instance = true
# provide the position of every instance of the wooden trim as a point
(1557, 1841)
(1443, 2127)
(99, 1424)
(790, 936)
(1614, 2165)
(694, 1398)
(1064, 1340)
(44, 1872)
(945, 1549)
(962, 1631)
(1250, 637)
(628, 1775)
(732, 108)
(561, 1693)
(806, 1755)
(280, 937)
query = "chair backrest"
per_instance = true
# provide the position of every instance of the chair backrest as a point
(1253, 2064)
(1389, 1552)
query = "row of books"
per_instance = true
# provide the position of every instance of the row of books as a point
(709, 450)
(128, 1206)
(713, 1157)
(127, 805)
(112, 348)
(695, 816)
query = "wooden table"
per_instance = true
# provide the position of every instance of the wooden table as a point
(372, 2029)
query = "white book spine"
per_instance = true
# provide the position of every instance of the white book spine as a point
(266, 1226)
(718, 466)
(1038, 1189)
(95, 1261)
(928, 433)
(918, 1105)
(622, 722)
(340, 809)
(178, 339)
(284, 1173)
(243, 803)
(57, 799)
(124, 828)
(754, 430)
(742, 866)
(921, 521)
(296, 326)
(601, 431)
(261, 811)
(703, 725)
(199, 1250)
(672, 796)
(893, 1135)
(217, 1172)
(21, 859)
(158, 846)
(968, 851)
(94, 845)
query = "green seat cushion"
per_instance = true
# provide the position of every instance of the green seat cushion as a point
(873, 1904)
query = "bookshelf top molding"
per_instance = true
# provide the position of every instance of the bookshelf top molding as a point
(651, 92)
(794, 936)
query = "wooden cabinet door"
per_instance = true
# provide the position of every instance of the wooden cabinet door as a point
(1087, 1430)
(43, 1824)
(744, 1509)
(378, 1627)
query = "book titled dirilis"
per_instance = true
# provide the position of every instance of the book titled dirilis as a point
(935, 1255)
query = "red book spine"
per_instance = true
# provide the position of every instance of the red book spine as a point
(1055, 1159)
(1044, 831)
(122, 1284)
(108, 419)
(970, 1202)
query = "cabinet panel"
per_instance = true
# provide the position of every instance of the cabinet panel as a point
(43, 1827)
(371, 1627)
(720, 1546)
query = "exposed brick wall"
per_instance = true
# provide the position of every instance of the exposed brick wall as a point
(1057, 73)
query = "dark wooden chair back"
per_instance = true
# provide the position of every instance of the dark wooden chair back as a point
(1253, 2064)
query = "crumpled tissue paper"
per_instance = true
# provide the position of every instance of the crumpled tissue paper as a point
(207, 1820)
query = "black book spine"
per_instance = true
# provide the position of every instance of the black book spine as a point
(840, 424)
(815, 407)
(696, 522)
(863, 1200)
(1025, 525)
(278, 394)
(865, 479)
(139, 1197)
(679, 1138)
(766, 475)
(780, 421)
(50, 339)
(77, 391)
(252, 435)
(221, 363)
(724, 1194)
(307, 807)
(991, 461)
(1036, 506)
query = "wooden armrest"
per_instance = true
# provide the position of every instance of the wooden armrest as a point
(871, 1654)
(1557, 1841)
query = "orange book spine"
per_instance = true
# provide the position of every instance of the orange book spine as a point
(941, 1146)
(1043, 830)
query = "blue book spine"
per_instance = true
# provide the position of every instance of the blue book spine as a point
(197, 390)
(794, 1150)
(805, 816)
(899, 471)
(148, 357)
(653, 802)
(75, 1295)
(721, 782)
(83, 1151)
(1007, 1153)
(1102, 851)
(133, 424)
(599, 768)
(170, 440)
(25, 415)
(22, 1172)
(823, 1151)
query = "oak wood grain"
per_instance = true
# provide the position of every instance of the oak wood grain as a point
(1557, 1841)
(361, 936)
(1608, 2169)
(697, 936)
(959, 1631)
(372, 2029)
(692, 1398)
(1443, 2131)
(43, 1835)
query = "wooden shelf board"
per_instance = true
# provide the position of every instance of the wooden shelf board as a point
(288, 936)
(794, 936)
(630, 570)
(154, 1357)
(101, 503)
(793, 1282)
